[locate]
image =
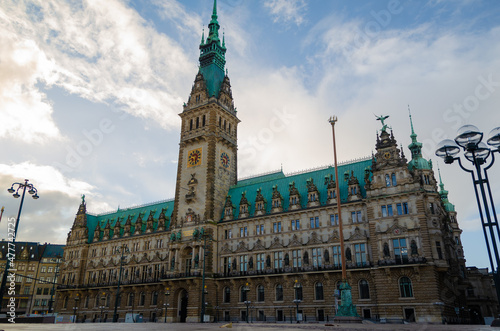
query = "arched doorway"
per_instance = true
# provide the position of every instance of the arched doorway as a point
(183, 304)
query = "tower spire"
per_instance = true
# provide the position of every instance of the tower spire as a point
(417, 161)
(444, 195)
(212, 56)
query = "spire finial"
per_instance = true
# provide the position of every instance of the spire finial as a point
(214, 11)
(203, 36)
(411, 122)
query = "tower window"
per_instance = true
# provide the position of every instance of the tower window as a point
(191, 124)
(203, 121)
(197, 122)
(394, 182)
(220, 122)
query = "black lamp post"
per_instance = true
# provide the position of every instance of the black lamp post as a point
(166, 304)
(203, 236)
(469, 139)
(51, 302)
(103, 304)
(124, 249)
(75, 308)
(297, 301)
(33, 191)
(247, 302)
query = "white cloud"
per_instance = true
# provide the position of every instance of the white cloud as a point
(26, 112)
(122, 61)
(287, 11)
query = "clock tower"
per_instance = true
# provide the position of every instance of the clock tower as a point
(208, 143)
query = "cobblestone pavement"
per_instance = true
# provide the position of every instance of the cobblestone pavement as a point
(239, 327)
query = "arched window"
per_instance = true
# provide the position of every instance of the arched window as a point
(387, 180)
(108, 299)
(191, 124)
(279, 292)
(298, 291)
(227, 295)
(364, 289)
(243, 294)
(130, 300)
(394, 182)
(405, 287)
(86, 304)
(260, 293)
(142, 299)
(96, 301)
(154, 300)
(318, 291)
(65, 304)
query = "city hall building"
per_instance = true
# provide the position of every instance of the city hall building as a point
(236, 249)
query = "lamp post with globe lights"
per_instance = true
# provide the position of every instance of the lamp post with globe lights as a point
(166, 304)
(15, 193)
(469, 138)
(247, 302)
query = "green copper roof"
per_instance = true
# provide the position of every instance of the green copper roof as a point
(444, 195)
(212, 56)
(121, 215)
(282, 181)
(417, 161)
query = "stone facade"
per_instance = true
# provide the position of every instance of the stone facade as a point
(268, 246)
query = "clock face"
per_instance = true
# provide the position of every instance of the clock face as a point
(225, 160)
(387, 155)
(194, 157)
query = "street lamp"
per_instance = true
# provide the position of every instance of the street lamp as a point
(166, 304)
(51, 302)
(469, 139)
(297, 301)
(33, 191)
(202, 235)
(247, 302)
(75, 308)
(103, 304)
(124, 249)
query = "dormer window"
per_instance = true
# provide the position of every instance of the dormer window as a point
(332, 194)
(293, 200)
(260, 206)
(312, 197)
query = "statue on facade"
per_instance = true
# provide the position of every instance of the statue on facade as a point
(268, 261)
(382, 118)
(172, 263)
(306, 258)
(348, 255)
(386, 250)
(414, 249)
(287, 259)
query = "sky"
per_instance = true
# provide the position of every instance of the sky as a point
(90, 93)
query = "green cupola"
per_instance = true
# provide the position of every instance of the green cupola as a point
(212, 56)
(444, 195)
(417, 161)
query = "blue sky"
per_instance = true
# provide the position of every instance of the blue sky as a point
(90, 92)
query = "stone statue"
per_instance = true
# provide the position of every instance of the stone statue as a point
(268, 261)
(306, 258)
(327, 256)
(196, 260)
(287, 259)
(234, 265)
(382, 118)
(172, 263)
(250, 263)
(348, 255)
(386, 250)
(414, 249)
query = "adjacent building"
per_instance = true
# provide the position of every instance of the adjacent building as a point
(255, 248)
(36, 268)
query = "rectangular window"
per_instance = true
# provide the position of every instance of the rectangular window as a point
(44, 269)
(316, 256)
(295, 225)
(356, 217)
(360, 254)
(297, 258)
(431, 207)
(399, 208)
(337, 259)
(278, 260)
(260, 261)
(334, 219)
(277, 227)
(259, 229)
(405, 208)
(400, 250)
(314, 222)
(243, 262)
(27, 290)
(387, 211)
(359, 217)
(46, 291)
(384, 211)
(39, 291)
